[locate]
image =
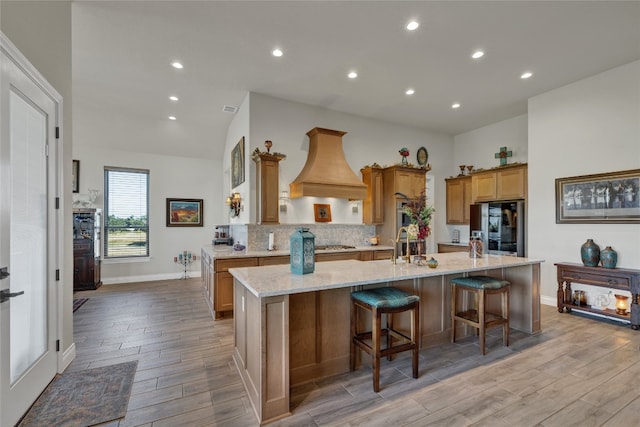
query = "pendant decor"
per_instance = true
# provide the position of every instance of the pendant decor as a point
(302, 251)
(590, 253)
(404, 152)
(608, 257)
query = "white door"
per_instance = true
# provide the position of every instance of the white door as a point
(27, 224)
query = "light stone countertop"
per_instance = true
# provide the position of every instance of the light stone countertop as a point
(277, 280)
(225, 252)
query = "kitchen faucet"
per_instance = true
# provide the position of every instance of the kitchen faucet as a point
(407, 257)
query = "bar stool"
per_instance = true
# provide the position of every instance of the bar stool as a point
(384, 301)
(479, 317)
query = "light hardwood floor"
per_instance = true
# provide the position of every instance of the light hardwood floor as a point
(578, 371)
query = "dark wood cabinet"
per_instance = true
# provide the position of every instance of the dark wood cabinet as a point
(86, 261)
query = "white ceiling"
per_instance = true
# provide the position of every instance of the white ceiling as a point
(122, 53)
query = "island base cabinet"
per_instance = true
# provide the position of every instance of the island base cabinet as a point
(261, 352)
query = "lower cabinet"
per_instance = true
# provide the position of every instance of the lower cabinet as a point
(445, 248)
(86, 266)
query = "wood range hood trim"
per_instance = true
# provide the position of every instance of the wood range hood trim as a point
(326, 172)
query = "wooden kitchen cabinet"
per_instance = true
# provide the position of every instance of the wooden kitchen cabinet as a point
(398, 179)
(267, 187)
(372, 206)
(222, 299)
(458, 199)
(503, 183)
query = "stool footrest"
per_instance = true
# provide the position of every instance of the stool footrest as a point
(472, 315)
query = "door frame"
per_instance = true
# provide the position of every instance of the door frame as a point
(64, 356)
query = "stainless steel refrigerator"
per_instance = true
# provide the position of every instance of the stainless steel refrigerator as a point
(502, 226)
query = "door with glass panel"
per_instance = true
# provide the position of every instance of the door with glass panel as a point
(28, 315)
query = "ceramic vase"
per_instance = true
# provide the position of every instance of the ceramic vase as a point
(608, 257)
(590, 253)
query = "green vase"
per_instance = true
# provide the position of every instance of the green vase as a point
(608, 257)
(590, 253)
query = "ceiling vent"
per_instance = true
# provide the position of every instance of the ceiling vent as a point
(327, 173)
(229, 109)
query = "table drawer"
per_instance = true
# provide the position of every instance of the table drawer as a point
(604, 279)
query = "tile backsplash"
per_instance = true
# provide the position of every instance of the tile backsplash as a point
(256, 236)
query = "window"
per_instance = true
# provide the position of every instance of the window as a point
(126, 207)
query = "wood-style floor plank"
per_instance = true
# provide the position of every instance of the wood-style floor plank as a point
(578, 371)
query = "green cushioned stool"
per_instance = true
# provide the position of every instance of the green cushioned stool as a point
(384, 301)
(479, 316)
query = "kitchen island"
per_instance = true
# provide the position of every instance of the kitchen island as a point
(290, 329)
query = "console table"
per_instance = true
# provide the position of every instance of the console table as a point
(614, 278)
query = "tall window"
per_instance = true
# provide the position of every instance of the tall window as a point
(126, 224)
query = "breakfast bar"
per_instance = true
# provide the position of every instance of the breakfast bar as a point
(290, 329)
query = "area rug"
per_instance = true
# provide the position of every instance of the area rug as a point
(84, 398)
(77, 303)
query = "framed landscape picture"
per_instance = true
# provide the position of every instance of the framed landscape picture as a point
(601, 198)
(237, 164)
(184, 212)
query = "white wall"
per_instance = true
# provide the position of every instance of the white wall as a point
(169, 177)
(590, 126)
(367, 141)
(478, 148)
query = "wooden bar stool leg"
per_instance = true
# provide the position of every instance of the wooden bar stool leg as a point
(481, 320)
(389, 337)
(415, 321)
(454, 307)
(505, 315)
(375, 336)
(354, 333)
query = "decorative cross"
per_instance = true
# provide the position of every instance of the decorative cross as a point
(502, 155)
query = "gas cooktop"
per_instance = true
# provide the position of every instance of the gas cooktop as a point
(333, 247)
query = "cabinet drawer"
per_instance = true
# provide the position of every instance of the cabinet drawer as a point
(273, 260)
(83, 245)
(226, 264)
(383, 254)
(337, 256)
(598, 279)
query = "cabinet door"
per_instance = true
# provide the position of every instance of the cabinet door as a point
(269, 203)
(484, 187)
(455, 201)
(511, 184)
(418, 183)
(410, 182)
(372, 206)
(223, 293)
(466, 201)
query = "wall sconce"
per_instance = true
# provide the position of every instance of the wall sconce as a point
(233, 201)
(284, 200)
(621, 304)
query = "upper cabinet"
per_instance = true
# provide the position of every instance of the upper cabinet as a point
(372, 205)
(406, 180)
(458, 200)
(267, 187)
(503, 183)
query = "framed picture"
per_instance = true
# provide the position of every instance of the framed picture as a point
(75, 175)
(237, 164)
(184, 212)
(602, 198)
(322, 213)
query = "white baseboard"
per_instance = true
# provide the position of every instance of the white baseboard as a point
(553, 301)
(147, 278)
(66, 357)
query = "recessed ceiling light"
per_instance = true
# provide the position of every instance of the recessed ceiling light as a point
(526, 75)
(455, 105)
(277, 53)
(477, 54)
(173, 98)
(412, 25)
(410, 91)
(172, 117)
(352, 75)
(177, 65)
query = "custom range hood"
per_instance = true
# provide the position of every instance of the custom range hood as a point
(327, 173)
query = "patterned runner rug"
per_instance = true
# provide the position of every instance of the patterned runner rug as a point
(77, 303)
(84, 398)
